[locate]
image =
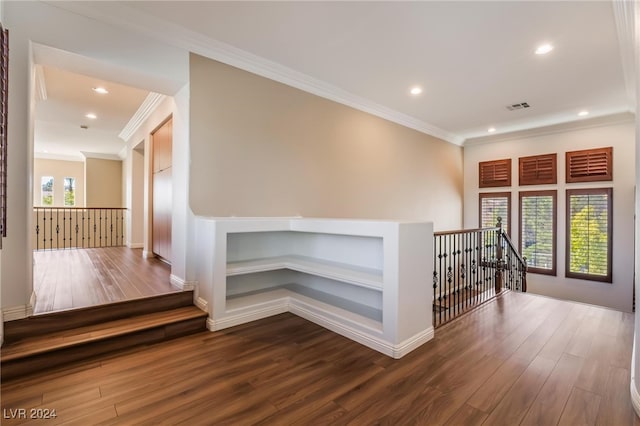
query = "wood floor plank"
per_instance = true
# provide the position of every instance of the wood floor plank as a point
(581, 409)
(489, 395)
(285, 370)
(467, 415)
(615, 406)
(75, 278)
(552, 398)
(516, 402)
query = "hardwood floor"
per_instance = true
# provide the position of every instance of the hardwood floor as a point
(66, 279)
(521, 359)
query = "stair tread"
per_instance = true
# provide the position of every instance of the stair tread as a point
(86, 334)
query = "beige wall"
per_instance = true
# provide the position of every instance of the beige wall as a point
(261, 148)
(103, 179)
(59, 169)
(596, 134)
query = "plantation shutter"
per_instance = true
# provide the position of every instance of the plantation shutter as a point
(538, 230)
(589, 233)
(495, 173)
(494, 206)
(590, 165)
(538, 170)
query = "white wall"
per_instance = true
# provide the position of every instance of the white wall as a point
(620, 135)
(133, 193)
(261, 148)
(123, 56)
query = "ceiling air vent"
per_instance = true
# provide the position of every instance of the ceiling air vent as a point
(521, 105)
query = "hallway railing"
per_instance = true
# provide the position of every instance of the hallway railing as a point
(60, 228)
(472, 267)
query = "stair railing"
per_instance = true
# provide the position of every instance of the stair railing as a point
(471, 267)
(60, 228)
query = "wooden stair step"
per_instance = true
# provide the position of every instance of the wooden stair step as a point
(93, 333)
(34, 354)
(50, 323)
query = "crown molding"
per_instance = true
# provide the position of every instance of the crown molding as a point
(147, 108)
(123, 16)
(60, 157)
(41, 84)
(607, 120)
(100, 156)
(624, 14)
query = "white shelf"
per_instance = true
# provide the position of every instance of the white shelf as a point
(345, 309)
(363, 277)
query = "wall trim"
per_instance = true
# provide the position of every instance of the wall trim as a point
(148, 106)
(370, 338)
(135, 245)
(413, 342)
(606, 120)
(201, 303)
(635, 396)
(183, 285)
(275, 307)
(624, 17)
(13, 313)
(135, 20)
(148, 254)
(41, 84)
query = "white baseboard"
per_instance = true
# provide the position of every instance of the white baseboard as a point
(357, 332)
(635, 396)
(201, 303)
(13, 313)
(275, 307)
(413, 342)
(135, 245)
(148, 254)
(182, 284)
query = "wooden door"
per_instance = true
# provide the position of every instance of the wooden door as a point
(162, 189)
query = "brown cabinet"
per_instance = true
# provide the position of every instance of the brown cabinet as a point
(162, 190)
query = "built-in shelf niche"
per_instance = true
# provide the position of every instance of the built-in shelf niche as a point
(367, 280)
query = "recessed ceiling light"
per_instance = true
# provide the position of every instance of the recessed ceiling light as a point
(583, 113)
(416, 90)
(91, 116)
(100, 90)
(491, 129)
(543, 49)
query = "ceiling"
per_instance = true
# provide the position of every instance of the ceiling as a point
(471, 59)
(68, 98)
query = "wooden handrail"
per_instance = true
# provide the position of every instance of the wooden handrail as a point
(79, 208)
(465, 231)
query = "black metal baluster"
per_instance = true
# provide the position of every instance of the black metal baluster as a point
(441, 306)
(64, 229)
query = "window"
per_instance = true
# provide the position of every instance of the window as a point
(590, 165)
(537, 170)
(492, 206)
(538, 230)
(495, 173)
(589, 234)
(69, 191)
(46, 197)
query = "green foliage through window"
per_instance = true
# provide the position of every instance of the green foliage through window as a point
(69, 191)
(589, 227)
(537, 230)
(46, 184)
